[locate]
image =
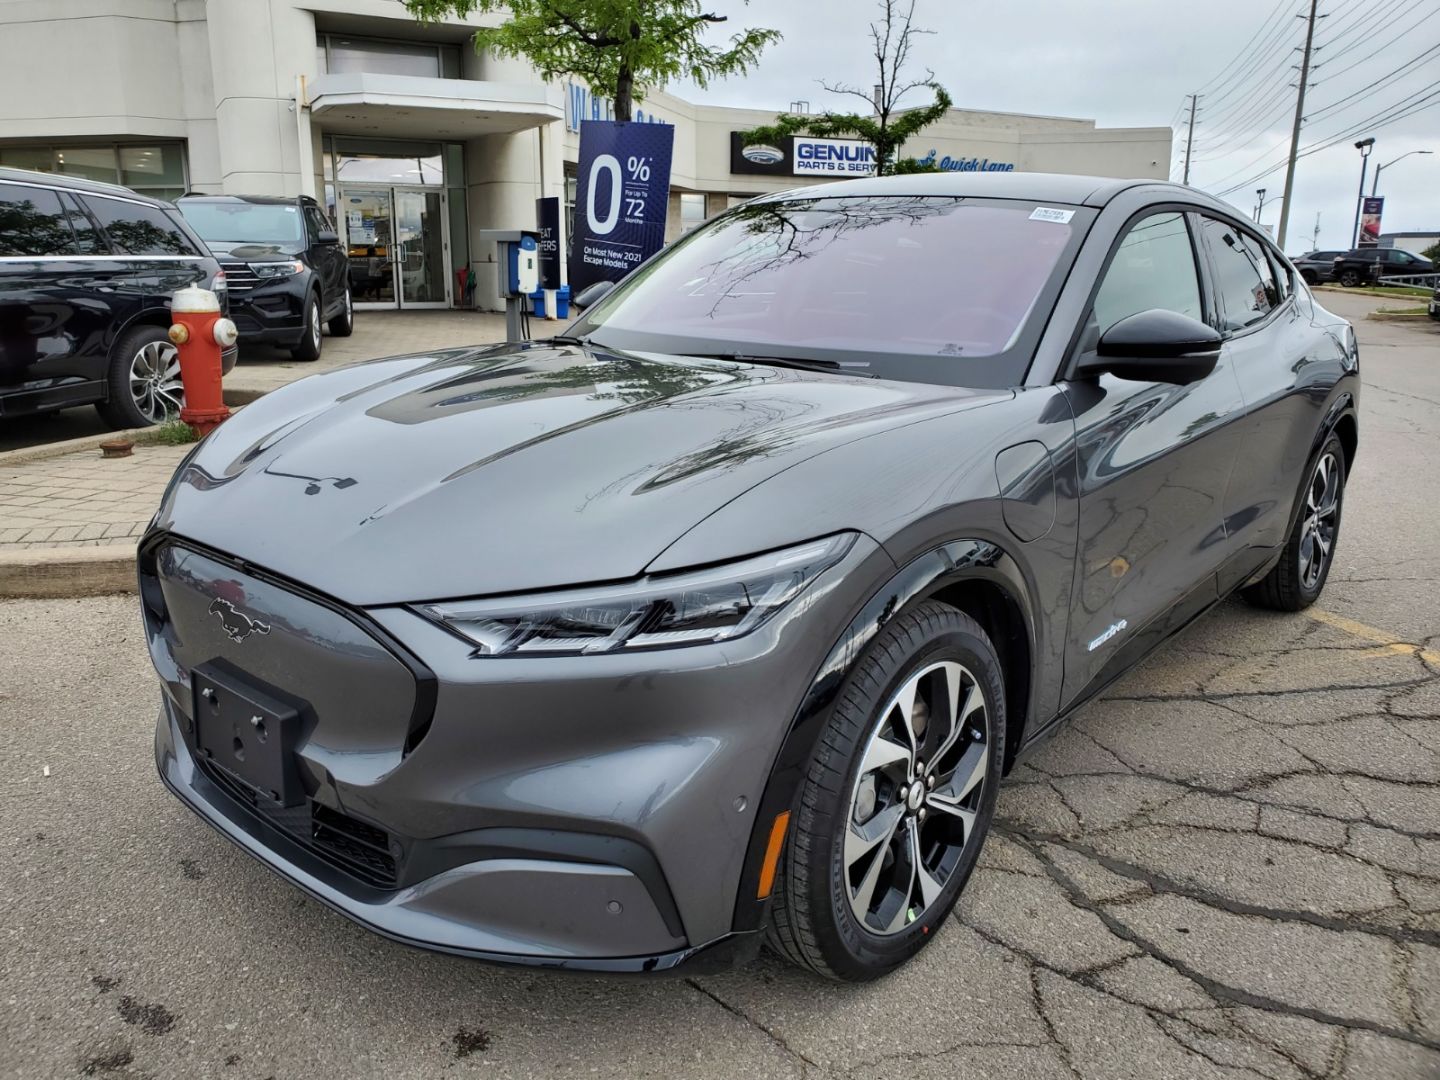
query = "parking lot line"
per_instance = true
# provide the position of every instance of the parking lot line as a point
(1387, 641)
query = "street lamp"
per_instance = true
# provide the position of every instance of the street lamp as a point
(1364, 146)
(1375, 185)
(1261, 208)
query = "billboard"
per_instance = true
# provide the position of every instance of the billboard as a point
(1370, 210)
(621, 197)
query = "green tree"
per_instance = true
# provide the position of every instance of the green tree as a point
(886, 126)
(622, 47)
(1432, 253)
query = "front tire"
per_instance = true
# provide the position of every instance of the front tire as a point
(1297, 579)
(343, 325)
(309, 347)
(897, 799)
(143, 380)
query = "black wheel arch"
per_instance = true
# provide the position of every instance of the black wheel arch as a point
(976, 576)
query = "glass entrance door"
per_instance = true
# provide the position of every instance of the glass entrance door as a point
(395, 238)
(420, 244)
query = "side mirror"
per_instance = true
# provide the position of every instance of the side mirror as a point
(1155, 346)
(327, 236)
(592, 294)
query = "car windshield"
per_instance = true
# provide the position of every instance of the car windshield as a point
(244, 223)
(921, 288)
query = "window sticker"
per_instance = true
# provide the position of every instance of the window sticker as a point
(1045, 213)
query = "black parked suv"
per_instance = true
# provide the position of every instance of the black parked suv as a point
(1368, 264)
(86, 275)
(288, 273)
(1317, 266)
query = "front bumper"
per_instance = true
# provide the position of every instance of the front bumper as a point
(589, 812)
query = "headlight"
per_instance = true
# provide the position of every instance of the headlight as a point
(277, 269)
(663, 611)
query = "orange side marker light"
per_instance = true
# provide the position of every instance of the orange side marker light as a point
(772, 855)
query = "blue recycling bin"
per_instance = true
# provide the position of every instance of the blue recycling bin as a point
(562, 302)
(537, 303)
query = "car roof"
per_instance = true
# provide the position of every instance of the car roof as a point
(1031, 186)
(75, 183)
(259, 200)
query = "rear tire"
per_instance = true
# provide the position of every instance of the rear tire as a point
(1296, 581)
(896, 801)
(343, 325)
(143, 380)
(309, 347)
(1310, 277)
(1349, 278)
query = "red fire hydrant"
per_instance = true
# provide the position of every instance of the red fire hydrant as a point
(200, 332)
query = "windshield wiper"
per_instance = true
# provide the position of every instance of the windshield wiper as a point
(803, 363)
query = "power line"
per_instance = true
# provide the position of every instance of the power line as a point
(1395, 74)
(1417, 102)
(1279, 7)
(1331, 75)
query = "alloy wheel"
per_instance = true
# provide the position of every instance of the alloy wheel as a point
(1322, 518)
(155, 383)
(915, 801)
(315, 325)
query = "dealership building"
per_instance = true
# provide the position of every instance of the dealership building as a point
(413, 141)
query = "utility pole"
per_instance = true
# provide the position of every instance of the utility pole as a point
(1190, 138)
(1315, 236)
(1295, 131)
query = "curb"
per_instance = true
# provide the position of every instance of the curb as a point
(25, 454)
(1396, 316)
(64, 573)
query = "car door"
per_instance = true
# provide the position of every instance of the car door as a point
(327, 257)
(60, 295)
(1281, 364)
(1152, 464)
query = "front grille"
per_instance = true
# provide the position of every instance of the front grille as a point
(238, 275)
(359, 849)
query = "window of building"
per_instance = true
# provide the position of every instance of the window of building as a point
(1243, 278)
(338, 53)
(136, 229)
(1154, 267)
(692, 210)
(32, 223)
(154, 169)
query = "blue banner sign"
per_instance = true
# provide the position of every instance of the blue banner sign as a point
(621, 197)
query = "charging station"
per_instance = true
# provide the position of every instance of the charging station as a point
(517, 258)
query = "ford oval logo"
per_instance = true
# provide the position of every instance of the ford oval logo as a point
(763, 155)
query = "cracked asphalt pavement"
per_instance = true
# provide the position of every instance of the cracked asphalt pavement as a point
(1227, 867)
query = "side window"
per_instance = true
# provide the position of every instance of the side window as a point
(136, 229)
(1154, 267)
(1284, 280)
(32, 223)
(1244, 281)
(88, 241)
(315, 220)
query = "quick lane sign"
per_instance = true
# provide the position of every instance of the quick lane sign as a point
(621, 198)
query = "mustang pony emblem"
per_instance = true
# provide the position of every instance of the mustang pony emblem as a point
(238, 625)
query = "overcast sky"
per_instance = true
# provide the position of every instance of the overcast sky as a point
(1131, 62)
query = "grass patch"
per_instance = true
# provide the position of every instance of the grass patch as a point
(173, 432)
(1419, 309)
(1403, 291)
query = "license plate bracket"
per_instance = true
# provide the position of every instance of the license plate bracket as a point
(248, 733)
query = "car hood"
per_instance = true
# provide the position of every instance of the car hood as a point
(249, 252)
(481, 471)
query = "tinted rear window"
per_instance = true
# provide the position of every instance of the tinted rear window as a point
(244, 223)
(32, 223)
(937, 289)
(137, 229)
